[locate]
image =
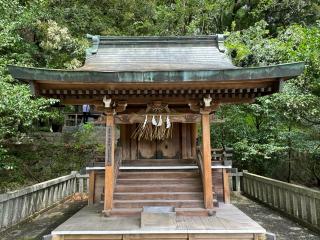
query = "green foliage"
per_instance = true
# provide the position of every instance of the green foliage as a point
(18, 110)
(59, 48)
(278, 126)
(89, 134)
(27, 42)
(265, 135)
(44, 156)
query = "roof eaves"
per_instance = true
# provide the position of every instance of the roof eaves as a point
(253, 73)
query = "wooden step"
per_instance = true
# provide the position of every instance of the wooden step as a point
(158, 196)
(158, 162)
(159, 188)
(181, 189)
(126, 212)
(191, 212)
(158, 175)
(136, 212)
(145, 181)
(173, 203)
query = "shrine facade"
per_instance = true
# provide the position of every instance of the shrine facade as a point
(159, 96)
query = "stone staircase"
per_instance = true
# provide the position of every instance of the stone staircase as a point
(181, 189)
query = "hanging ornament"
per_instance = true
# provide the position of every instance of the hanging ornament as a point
(154, 129)
(160, 121)
(145, 122)
(154, 121)
(168, 122)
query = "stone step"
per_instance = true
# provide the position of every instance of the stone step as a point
(158, 196)
(143, 203)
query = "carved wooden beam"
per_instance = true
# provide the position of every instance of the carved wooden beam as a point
(194, 106)
(121, 106)
(180, 118)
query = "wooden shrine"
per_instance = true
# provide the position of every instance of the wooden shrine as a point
(157, 94)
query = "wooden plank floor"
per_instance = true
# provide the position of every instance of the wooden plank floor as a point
(229, 223)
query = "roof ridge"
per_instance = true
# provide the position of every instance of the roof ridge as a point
(155, 38)
(216, 40)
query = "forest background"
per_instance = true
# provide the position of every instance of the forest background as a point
(277, 136)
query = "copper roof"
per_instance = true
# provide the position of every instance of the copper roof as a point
(117, 54)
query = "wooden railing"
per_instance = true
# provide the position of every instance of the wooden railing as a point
(75, 119)
(235, 180)
(200, 162)
(299, 202)
(20, 205)
(117, 163)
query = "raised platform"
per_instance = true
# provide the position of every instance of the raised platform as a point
(229, 223)
(156, 164)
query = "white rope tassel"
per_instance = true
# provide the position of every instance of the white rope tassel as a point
(160, 121)
(168, 122)
(145, 122)
(154, 121)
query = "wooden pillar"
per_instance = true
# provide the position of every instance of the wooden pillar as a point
(109, 164)
(226, 186)
(92, 179)
(206, 151)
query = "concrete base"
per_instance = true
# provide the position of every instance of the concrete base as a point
(270, 236)
(47, 237)
(158, 217)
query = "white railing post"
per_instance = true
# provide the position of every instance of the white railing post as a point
(298, 201)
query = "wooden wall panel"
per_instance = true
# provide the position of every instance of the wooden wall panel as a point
(147, 149)
(188, 140)
(194, 135)
(217, 180)
(170, 148)
(133, 143)
(125, 141)
(99, 186)
(182, 145)
(188, 133)
(184, 141)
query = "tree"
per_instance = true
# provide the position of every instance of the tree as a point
(291, 116)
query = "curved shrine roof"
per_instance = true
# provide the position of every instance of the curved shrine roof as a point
(130, 66)
(118, 54)
(156, 59)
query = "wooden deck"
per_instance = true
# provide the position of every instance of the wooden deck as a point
(229, 223)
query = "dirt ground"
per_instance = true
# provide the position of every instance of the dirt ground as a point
(272, 221)
(44, 223)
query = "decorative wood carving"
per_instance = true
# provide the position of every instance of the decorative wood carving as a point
(121, 106)
(157, 107)
(107, 102)
(194, 106)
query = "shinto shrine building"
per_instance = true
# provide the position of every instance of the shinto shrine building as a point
(158, 179)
